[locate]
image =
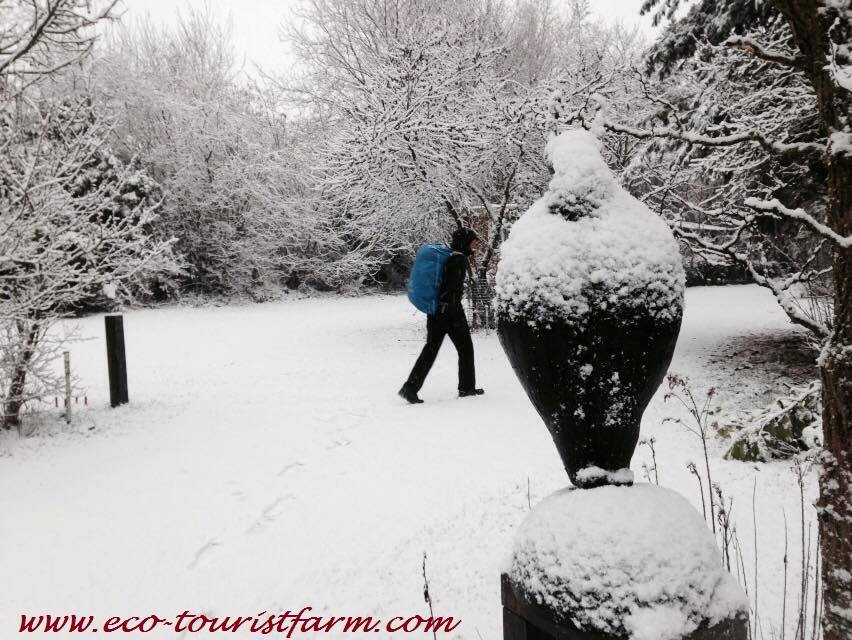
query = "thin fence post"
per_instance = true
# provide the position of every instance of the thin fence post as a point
(116, 360)
(66, 357)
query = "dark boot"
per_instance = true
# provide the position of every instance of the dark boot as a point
(463, 393)
(409, 394)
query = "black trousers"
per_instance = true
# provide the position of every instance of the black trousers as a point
(452, 324)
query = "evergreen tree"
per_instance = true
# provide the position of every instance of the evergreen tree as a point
(820, 53)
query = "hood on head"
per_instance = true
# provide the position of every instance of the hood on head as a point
(462, 239)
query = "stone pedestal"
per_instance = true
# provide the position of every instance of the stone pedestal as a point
(619, 563)
(525, 620)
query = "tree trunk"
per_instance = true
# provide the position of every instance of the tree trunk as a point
(835, 501)
(15, 399)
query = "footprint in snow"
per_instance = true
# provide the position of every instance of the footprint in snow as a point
(269, 514)
(338, 442)
(203, 551)
(288, 467)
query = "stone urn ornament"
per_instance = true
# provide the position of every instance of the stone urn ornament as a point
(590, 290)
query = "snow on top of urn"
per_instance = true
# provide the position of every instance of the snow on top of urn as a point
(579, 171)
(636, 561)
(587, 243)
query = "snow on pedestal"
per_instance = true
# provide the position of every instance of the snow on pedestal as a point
(589, 302)
(627, 562)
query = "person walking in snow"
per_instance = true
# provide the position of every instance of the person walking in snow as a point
(449, 320)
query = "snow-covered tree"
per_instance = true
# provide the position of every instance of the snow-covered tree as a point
(436, 112)
(808, 39)
(234, 174)
(706, 192)
(72, 228)
(39, 38)
(72, 222)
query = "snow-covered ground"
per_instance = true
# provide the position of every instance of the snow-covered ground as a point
(265, 462)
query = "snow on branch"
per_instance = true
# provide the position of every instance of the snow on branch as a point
(40, 37)
(786, 301)
(752, 46)
(781, 292)
(778, 148)
(780, 288)
(775, 206)
(840, 65)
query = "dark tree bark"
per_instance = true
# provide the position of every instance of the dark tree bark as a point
(835, 500)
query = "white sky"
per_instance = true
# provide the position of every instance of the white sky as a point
(255, 23)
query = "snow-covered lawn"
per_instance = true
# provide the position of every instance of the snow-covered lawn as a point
(265, 462)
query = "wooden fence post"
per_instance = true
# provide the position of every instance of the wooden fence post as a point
(116, 361)
(66, 357)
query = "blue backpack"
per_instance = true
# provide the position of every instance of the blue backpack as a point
(427, 273)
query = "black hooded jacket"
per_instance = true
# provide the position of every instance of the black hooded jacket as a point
(452, 287)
